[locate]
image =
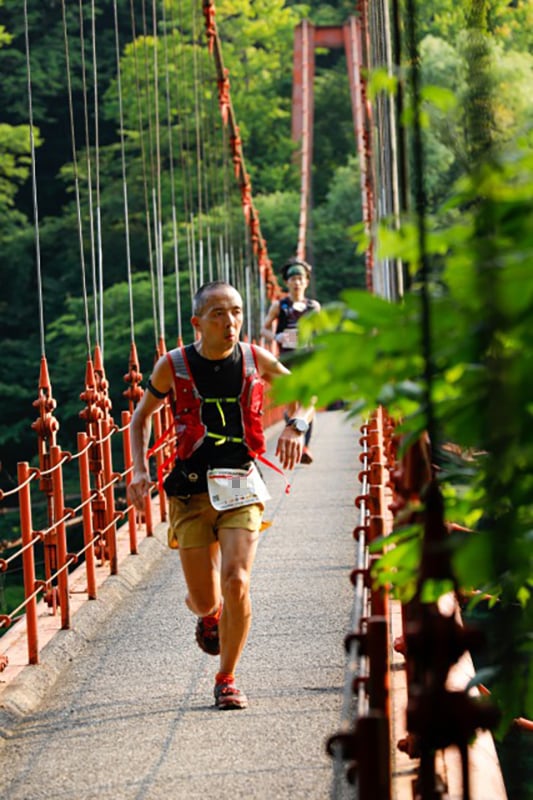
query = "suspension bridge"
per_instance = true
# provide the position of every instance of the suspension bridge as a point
(103, 691)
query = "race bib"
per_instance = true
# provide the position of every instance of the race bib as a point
(232, 488)
(289, 338)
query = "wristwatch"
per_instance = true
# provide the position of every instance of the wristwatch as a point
(298, 424)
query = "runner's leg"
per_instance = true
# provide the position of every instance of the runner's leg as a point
(238, 548)
(201, 568)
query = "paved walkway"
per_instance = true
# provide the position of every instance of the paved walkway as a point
(130, 715)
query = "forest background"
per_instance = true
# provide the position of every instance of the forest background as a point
(258, 41)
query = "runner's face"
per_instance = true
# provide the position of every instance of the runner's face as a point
(220, 320)
(297, 285)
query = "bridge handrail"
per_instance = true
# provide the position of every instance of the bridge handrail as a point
(99, 526)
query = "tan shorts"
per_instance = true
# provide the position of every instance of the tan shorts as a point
(194, 522)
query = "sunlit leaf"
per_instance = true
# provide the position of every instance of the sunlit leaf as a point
(441, 98)
(432, 590)
(381, 81)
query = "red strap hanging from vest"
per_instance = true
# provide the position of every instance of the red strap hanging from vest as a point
(268, 463)
(156, 445)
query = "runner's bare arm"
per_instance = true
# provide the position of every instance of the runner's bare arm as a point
(268, 325)
(269, 366)
(290, 442)
(140, 429)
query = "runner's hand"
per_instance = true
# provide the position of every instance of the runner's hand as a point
(289, 448)
(138, 489)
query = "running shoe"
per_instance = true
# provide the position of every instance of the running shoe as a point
(307, 457)
(207, 634)
(228, 697)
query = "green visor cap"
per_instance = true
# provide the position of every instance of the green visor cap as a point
(296, 269)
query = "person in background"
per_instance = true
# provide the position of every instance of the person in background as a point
(281, 323)
(216, 494)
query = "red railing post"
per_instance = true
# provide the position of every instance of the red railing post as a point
(92, 415)
(109, 491)
(46, 427)
(148, 517)
(60, 534)
(133, 377)
(159, 459)
(126, 444)
(88, 531)
(366, 735)
(28, 561)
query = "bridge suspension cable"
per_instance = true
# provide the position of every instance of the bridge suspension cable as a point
(34, 182)
(175, 235)
(157, 199)
(99, 292)
(388, 271)
(127, 240)
(76, 180)
(142, 146)
(88, 164)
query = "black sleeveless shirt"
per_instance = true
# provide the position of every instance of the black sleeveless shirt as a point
(219, 379)
(288, 316)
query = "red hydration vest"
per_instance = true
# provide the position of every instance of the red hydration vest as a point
(191, 431)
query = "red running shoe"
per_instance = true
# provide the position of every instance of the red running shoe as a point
(207, 633)
(307, 457)
(228, 697)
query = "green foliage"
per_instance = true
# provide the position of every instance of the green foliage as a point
(257, 38)
(15, 160)
(445, 18)
(67, 348)
(331, 250)
(479, 248)
(448, 96)
(366, 351)
(279, 218)
(510, 22)
(358, 354)
(17, 392)
(336, 264)
(399, 565)
(333, 129)
(5, 37)
(16, 245)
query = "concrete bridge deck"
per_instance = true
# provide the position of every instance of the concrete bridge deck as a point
(121, 707)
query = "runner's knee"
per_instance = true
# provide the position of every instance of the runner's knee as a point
(235, 585)
(202, 603)
(206, 608)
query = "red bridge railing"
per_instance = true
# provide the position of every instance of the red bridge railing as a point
(90, 476)
(398, 490)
